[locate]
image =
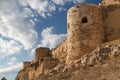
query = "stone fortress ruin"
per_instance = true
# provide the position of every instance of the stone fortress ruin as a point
(88, 25)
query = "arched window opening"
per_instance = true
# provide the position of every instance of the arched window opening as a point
(84, 19)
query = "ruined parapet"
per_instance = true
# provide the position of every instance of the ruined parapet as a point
(41, 67)
(84, 31)
(109, 2)
(60, 52)
(26, 64)
(41, 53)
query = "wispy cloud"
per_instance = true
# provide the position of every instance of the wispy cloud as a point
(11, 69)
(12, 61)
(43, 7)
(50, 39)
(63, 2)
(79, 1)
(15, 23)
(46, 7)
(8, 47)
(59, 2)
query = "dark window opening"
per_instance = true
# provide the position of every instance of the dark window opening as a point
(77, 6)
(42, 59)
(68, 25)
(84, 19)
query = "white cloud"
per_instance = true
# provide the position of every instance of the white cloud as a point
(12, 61)
(49, 39)
(1, 66)
(13, 68)
(43, 7)
(8, 47)
(59, 2)
(15, 23)
(79, 1)
(63, 2)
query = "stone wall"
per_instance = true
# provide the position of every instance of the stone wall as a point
(60, 52)
(85, 30)
(41, 67)
(49, 63)
(111, 19)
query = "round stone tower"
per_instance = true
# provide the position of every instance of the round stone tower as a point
(84, 31)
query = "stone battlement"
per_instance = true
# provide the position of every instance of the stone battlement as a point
(41, 53)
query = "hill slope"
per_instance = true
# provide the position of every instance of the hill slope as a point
(101, 64)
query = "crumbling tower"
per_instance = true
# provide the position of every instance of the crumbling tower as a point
(84, 31)
(41, 53)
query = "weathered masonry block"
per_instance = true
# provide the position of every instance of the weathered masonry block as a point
(41, 53)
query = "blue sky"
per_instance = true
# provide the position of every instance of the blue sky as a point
(28, 24)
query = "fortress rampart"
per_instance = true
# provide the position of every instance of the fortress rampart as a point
(60, 52)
